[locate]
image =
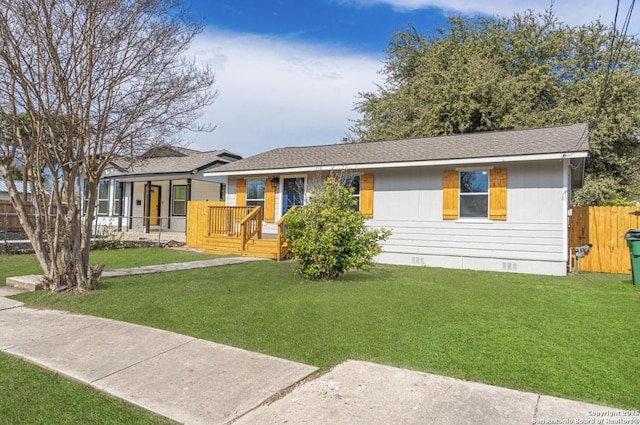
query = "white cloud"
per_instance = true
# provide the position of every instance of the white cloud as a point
(572, 12)
(275, 92)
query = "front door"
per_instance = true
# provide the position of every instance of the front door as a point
(154, 210)
(292, 193)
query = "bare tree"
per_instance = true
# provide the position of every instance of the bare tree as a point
(83, 82)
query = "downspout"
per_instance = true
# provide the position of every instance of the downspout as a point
(566, 203)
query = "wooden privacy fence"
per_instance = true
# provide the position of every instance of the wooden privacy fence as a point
(604, 228)
(9, 219)
(197, 221)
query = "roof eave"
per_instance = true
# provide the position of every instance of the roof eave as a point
(405, 164)
(150, 176)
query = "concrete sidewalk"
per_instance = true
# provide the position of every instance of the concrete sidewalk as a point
(200, 382)
(183, 378)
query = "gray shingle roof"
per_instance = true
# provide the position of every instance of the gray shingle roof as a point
(187, 163)
(560, 139)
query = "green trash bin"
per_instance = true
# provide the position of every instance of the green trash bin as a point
(633, 243)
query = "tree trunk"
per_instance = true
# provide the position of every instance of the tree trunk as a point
(77, 92)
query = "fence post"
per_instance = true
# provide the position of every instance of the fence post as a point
(6, 227)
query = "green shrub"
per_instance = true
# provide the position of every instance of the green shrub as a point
(618, 202)
(107, 238)
(328, 236)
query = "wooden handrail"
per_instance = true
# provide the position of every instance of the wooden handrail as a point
(245, 223)
(225, 220)
(251, 226)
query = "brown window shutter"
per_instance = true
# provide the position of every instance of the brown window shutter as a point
(241, 193)
(269, 202)
(450, 190)
(498, 194)
(366, 195)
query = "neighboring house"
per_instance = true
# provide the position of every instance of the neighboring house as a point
(487, 201)
(4, 192)
(151, 194)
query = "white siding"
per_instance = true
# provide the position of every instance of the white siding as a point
(409, 203)
(203, 191)
(139, 203)
(231, 193)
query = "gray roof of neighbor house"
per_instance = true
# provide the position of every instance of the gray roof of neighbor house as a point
(171, 161)
(18, 183)
(561, 139)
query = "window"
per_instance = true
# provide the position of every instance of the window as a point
(223, 191)
(85, 197)
(179, 200)
(353, 184)
(255, 192)
(117, 199)
(474, 194)
(103, 197)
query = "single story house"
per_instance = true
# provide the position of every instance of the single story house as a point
(495, 201)
(151, 194)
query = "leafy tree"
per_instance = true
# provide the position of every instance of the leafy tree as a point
(525, 71)
(16, 172)
(329, 237)
(83, 82)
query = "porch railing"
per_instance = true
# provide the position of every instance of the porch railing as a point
(251, 226)
(245, 224)
(224, 220)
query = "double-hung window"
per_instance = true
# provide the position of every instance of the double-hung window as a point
(103, 197)
(474, 194)
(255, 192)
(179, 200)
(353, 184)
(117, 199)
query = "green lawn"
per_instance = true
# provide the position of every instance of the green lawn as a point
(24, 264)
(32, 395)
(573, 337)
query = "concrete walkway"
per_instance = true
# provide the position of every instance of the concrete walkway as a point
(183, 378)
(32, 282)
(199, 382)
(225, 261)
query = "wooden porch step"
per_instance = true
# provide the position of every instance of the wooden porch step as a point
(221, 245)
(260, 248)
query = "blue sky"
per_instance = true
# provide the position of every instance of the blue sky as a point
(354, 26)
(288, 72)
